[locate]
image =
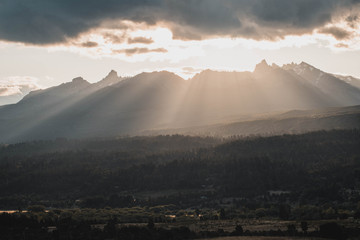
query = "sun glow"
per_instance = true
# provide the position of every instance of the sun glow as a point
(149, 48)
(157, 44)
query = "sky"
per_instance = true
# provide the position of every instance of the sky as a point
(45, 43)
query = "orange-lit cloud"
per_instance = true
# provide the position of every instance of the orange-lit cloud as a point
(143, 40)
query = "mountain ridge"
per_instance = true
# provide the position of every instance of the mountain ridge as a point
(117, 105)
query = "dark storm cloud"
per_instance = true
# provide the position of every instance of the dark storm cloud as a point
(197, 19)
(44, 21)
(47, 22)
(295, 13)
(353, 20)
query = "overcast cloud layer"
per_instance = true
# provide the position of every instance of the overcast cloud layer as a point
(48, 22)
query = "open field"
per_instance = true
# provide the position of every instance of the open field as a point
(262, 238)
(254, 225)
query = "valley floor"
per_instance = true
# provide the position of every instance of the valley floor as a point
(263, 238)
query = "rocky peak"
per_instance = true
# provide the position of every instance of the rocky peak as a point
(262, 66)
(112, 74)
(111, 79)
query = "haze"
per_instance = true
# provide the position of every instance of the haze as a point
(180, 119)
(43, 44)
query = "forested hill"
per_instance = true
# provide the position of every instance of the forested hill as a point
(139, 144)
(187, 171)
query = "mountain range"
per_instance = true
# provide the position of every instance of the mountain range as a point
(163, 102)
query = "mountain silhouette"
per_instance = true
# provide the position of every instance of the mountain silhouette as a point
(162, 100)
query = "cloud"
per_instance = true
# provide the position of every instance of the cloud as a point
(18, 85)
(47, 22)
(89, 44)
(50, 22)
(342, 45)
(115, 38)
(353, 21)
(336, 32)
(188, 72)
(142, 40)
(133, 51)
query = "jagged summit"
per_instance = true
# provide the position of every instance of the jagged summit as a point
(264, 62)
(262, 66)
(111, 79)
(289, 66)
(299, 68)
(112, 73)
(293, 65)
